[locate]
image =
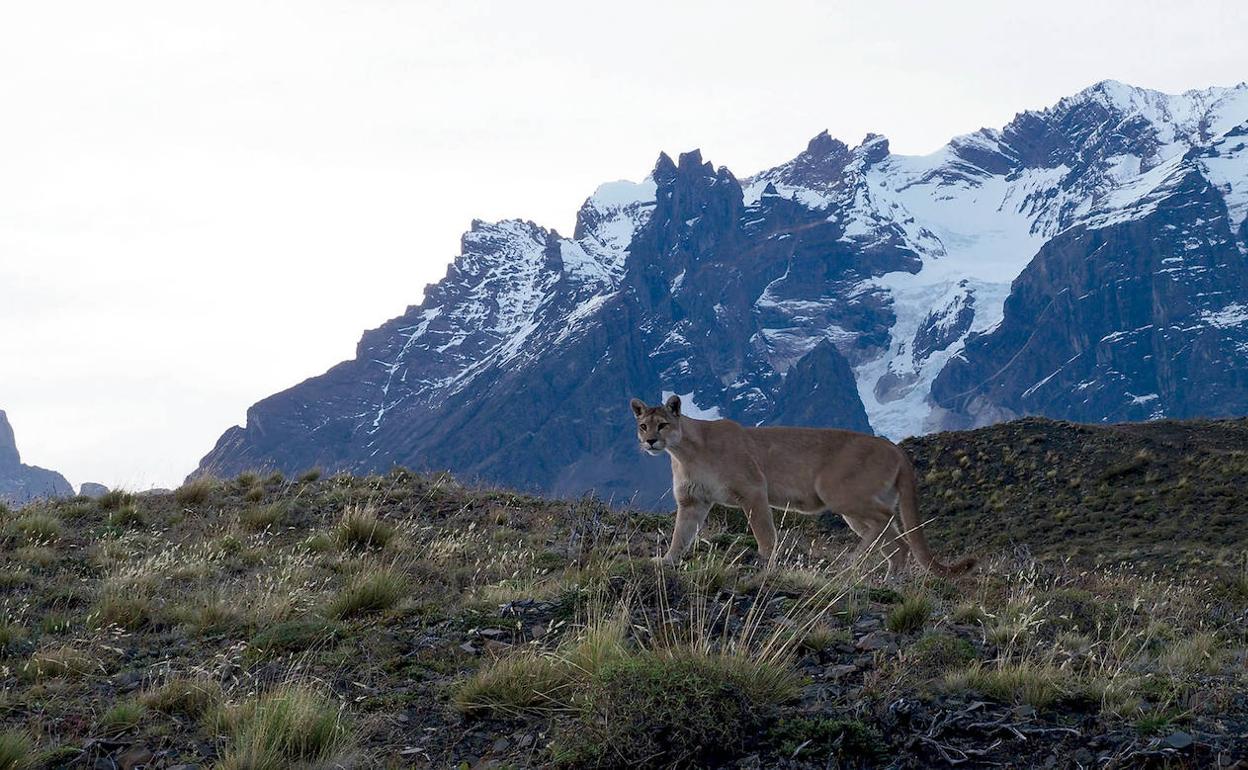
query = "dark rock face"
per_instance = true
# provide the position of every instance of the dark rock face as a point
(1084, 262)
(1135, 320)
(19, 483)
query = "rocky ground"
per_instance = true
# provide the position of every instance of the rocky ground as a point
(407, 621)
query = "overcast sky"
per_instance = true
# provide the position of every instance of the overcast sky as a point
(204, 203)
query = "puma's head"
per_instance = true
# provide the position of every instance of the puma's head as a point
(658, 427)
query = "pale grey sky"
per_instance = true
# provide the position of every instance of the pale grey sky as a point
(204, 203)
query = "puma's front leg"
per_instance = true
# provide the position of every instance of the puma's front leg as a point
(690, 515)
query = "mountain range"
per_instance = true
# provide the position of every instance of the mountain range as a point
(1085, 262)
(21, 483)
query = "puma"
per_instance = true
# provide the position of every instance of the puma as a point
(866, 479)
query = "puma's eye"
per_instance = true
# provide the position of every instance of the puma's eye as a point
(662, 425)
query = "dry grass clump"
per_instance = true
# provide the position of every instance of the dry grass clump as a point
(17, 751)
(196, 491)
(373, 590)
(911, 615)
(258, 518)
(127, 515)
(185, 696)
(62, 661)
(293, 726)
(360, 529)
(35, 528)
(310, 475)
(1035, 684)
(122, 716)
(114, 499)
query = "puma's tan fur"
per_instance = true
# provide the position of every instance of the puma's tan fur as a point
(866, 479)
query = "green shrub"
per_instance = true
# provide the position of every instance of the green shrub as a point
(937, 654)
(58, 662)
(514, 684)
(823, 739)
(11, 635)
(1036, 684)
(656, 709)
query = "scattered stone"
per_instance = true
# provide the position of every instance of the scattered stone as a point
(525, 741)
(878, 641)
(492, 633)
(135, 757)
(469, 648)
(841, 671)
(500, 745)
(129, 680)
(1178, 740)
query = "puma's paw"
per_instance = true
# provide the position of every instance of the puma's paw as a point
(663, 561)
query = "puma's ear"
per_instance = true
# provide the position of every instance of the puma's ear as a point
(639, 407)
(673, 404)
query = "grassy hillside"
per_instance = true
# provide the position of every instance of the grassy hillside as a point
(406, 621)
(1164, 495)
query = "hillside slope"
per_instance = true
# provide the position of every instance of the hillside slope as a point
(400, 620)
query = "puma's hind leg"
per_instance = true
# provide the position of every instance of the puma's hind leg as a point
(762, 525)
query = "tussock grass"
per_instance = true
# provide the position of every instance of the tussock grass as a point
(122, 716)
(196, 491)
(11, 634)
(1035, 684)
(36, 556)
(127, 515)
(114, 499)
(258, 518)
(373, 590)
(911, 615)
(190, 697)
(296, 725)
(17, 751)
(310, 475)
(124, 604)
(35, 528)
(360, 529)
(58, 662)
(1197, 654)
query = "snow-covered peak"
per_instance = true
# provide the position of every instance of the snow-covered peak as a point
(613, 196)
(1189, 118)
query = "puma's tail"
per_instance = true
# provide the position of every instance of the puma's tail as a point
(912, 525)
